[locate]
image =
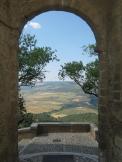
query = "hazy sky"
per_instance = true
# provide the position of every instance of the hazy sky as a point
(64, 32)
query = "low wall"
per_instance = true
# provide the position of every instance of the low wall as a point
(26, 133)
(41, 129)
(94, 131)
(45, 128)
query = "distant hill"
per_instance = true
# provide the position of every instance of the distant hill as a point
(58, 97)
(54, 86)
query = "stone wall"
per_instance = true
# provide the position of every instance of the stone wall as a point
(26, 133)
(43, 129)
(104, 17)
(57, 127)
(111, 97)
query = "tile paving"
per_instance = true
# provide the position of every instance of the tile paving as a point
(69, 144)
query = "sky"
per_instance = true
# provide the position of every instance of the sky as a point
(64, 32)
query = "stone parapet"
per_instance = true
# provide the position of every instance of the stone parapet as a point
(42, 129)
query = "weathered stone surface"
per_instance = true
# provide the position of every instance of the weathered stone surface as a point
(59, 157)
(67, 142)
(105, 19)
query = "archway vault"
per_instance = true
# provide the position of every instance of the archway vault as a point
(104, 17)
(87, 10)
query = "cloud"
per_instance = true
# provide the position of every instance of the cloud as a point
(34, 25)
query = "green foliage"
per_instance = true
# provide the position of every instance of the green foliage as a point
(24, 119)
(33, 60)
(74, 70)
(21, 104)
(86, 117)
(27, 120)
(90, 50)
(91, 81)
(86, 76)
(44, 117)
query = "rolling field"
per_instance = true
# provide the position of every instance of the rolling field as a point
(59, 99)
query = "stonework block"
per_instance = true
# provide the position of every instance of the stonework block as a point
(104, 17)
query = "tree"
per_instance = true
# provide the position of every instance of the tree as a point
(86, 76)
(91, 81)
(21, 109)
(74, 70)
(32, 62)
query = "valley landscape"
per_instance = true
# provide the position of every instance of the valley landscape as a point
(62, 100)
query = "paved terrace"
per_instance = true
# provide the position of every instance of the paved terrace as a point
(78, 146)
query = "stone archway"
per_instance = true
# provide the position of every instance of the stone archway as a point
(105, 20)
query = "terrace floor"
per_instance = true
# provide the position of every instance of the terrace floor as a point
(59, 147)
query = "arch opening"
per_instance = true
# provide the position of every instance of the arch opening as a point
(76, 11)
